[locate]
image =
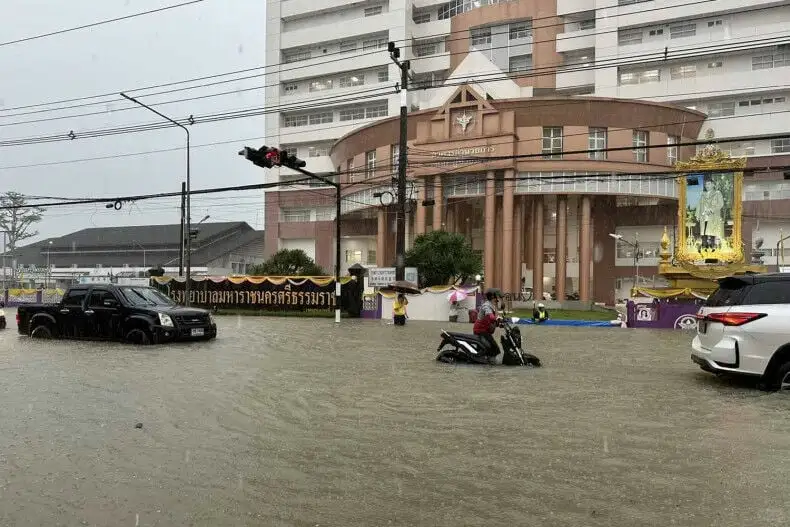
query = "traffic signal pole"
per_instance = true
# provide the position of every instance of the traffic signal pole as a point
(267, 157)
(400, 234)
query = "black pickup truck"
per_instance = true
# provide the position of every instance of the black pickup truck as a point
(136, 314)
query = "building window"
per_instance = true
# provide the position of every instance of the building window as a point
(721, 109)
(640, 77)
(520, 30)
(520, 63)
(373, 11)
(349, 81)
(321, 118)
(318, 151)
(373, 44)
(597, 141)
(425, 49)
(352, 114)
(640, 143)
(370, 164)
(627, 37)
(295, 215)
(552, 142)
(348, 45)
(587, 24)
(383, 75)
(371, 257)
(714, 23)
(353, 256)
(290, 88)
(294, 120)
(683, 72)
(481, 36)
(656, 32)
(395, 155)
(682, 30)
(379, 110)
(780, 146)
(765, 62)
(421, 18)
(297, 56)
(352, 175)
(321, 85)
(716, 64)
(672, 151)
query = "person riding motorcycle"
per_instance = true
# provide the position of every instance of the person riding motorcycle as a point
(487, 322)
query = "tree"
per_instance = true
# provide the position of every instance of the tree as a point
(17, 222)
(443, 258)
(288, 262)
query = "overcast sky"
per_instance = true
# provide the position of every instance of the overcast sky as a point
(207, 38)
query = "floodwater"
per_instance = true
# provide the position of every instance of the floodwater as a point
(296, 422)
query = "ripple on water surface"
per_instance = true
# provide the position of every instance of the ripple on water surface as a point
(298, 422)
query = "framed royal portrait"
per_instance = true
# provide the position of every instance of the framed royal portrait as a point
(710, 194)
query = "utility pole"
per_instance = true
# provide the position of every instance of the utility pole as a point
(187, 191)
(268, 157)
(400, 239)
(181, 243)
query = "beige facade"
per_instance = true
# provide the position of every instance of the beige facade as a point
(488, 167)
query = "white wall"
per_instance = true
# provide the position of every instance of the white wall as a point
(305, 244)
(429, 306)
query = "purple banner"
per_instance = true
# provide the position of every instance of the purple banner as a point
(663, 314)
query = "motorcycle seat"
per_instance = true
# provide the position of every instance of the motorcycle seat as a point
(464, 336)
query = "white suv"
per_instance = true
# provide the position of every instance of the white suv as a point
(744, 328)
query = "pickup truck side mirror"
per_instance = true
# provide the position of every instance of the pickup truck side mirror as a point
(110, 303)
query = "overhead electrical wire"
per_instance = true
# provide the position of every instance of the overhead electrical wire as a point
(98, 23)
(348, 57)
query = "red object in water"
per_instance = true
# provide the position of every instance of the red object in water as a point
(472, 316)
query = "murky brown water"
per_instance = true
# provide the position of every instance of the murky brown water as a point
(296, 422)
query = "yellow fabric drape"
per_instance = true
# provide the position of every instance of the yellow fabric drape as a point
(671, 293)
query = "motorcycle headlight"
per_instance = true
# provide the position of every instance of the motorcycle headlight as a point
(165, 320)
(2, 313)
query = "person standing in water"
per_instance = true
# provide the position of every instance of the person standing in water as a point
(399, 310)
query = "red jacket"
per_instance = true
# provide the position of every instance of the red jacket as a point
(486, 320)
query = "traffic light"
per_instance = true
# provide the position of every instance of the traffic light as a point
(291, 161)
(264, 157)
(268, 157)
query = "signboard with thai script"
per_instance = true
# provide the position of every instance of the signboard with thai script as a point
(251, 292)
(384, 276)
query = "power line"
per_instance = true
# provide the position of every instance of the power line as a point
(324, 61)
(99, 23)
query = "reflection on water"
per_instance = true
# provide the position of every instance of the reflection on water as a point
(297, 422)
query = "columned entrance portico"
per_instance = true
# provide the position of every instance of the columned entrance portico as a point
(562, 247)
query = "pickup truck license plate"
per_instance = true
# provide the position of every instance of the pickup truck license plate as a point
(198, 332)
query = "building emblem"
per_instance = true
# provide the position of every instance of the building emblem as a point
(464, 120)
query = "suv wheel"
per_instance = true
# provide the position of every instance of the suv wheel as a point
(778, 380)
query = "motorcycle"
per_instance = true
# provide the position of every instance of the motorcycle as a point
(465, 348)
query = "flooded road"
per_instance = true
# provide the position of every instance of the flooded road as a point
(299, 423)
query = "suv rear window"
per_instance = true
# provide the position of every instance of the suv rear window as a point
(734, 292)
(729, 293)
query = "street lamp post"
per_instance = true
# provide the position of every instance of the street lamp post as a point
(779, 247)
(49, 269)
(637, 256)
(141, 247)
(188, 196)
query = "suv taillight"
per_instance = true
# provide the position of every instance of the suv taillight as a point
(734, 319)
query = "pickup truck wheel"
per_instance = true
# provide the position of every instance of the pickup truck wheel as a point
(138, 336)
(41, 332)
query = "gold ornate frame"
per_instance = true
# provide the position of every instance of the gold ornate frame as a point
(711, 160)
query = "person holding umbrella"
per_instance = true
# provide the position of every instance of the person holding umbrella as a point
(455, 298)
